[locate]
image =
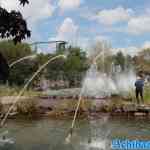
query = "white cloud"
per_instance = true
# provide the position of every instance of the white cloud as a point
(132, 51)
(67, 30)
(69, 4)
(36, 11)
(113, 16)
(101, 38)
(9, 5)
(146, 45)
(139, 25)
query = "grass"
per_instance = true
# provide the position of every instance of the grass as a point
(67, 107)
(147, 95)
(14, 91)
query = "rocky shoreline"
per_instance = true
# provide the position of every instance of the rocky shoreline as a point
(65, 108)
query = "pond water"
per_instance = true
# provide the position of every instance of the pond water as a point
(46, 134)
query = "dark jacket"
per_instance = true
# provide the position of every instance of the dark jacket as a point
(139, 84)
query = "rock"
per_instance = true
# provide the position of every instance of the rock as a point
(144, 108)
(129, 108)
(140, 114)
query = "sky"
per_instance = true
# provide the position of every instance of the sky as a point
(123, 23)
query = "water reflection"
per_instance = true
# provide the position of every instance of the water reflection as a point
(50, 134)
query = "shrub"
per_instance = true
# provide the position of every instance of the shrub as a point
(27, 107)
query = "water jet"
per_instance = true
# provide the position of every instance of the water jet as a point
(26, 86)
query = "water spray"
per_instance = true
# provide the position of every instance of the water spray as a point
(26, 86)
(68, 138)
(21, 59)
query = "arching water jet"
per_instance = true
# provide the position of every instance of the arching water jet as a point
(26, 86)
(22, 59)
(68, 138)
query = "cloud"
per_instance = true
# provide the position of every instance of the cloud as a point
(146, 45)
(67, 30)
(101, 38)
(36, 11)
(69, 4)
(132, 24)
(132, 50)
(113, 16)
(139, 25)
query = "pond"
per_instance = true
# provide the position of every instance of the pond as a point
(46, 134)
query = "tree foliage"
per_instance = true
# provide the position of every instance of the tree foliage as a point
(13, 52)
(23, 70)
(71, 68)
(23, 2)
(12, 24)
(120, 60)
(4, 69)
(142, 61)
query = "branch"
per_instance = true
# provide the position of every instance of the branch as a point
(23, 2)
(12, 24)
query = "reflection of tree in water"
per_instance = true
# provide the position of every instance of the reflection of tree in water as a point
(4, 69)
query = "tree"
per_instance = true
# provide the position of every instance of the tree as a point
(23, 70)
(101, 55)
(75, 65)
(69, 69)
(4, 69)
(120, 60)
(12, 24)
(13, 52)
(142, 61)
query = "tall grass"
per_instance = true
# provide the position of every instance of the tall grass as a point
(147, 94)
(13, 91)
(27, 107)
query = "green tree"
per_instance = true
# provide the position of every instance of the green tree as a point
(71, 68)
(13, 52)
(12, 24)
(75, 65)
(23, 70)
(119, 59)
(142, 61)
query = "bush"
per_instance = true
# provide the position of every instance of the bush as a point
(70, 105)
(27, 107)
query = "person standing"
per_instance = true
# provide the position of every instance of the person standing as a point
(139, 87)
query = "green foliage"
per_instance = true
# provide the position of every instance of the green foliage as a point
(120, 60)
(76, 60)
(7, 91)
(23, 70)
(147, 94)
(71, 68)
(142, 61)
(13, 24)
(13, 52)
(76, 64)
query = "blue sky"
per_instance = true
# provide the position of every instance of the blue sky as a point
(124, 23)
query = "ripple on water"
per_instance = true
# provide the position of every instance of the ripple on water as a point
(48, 134)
